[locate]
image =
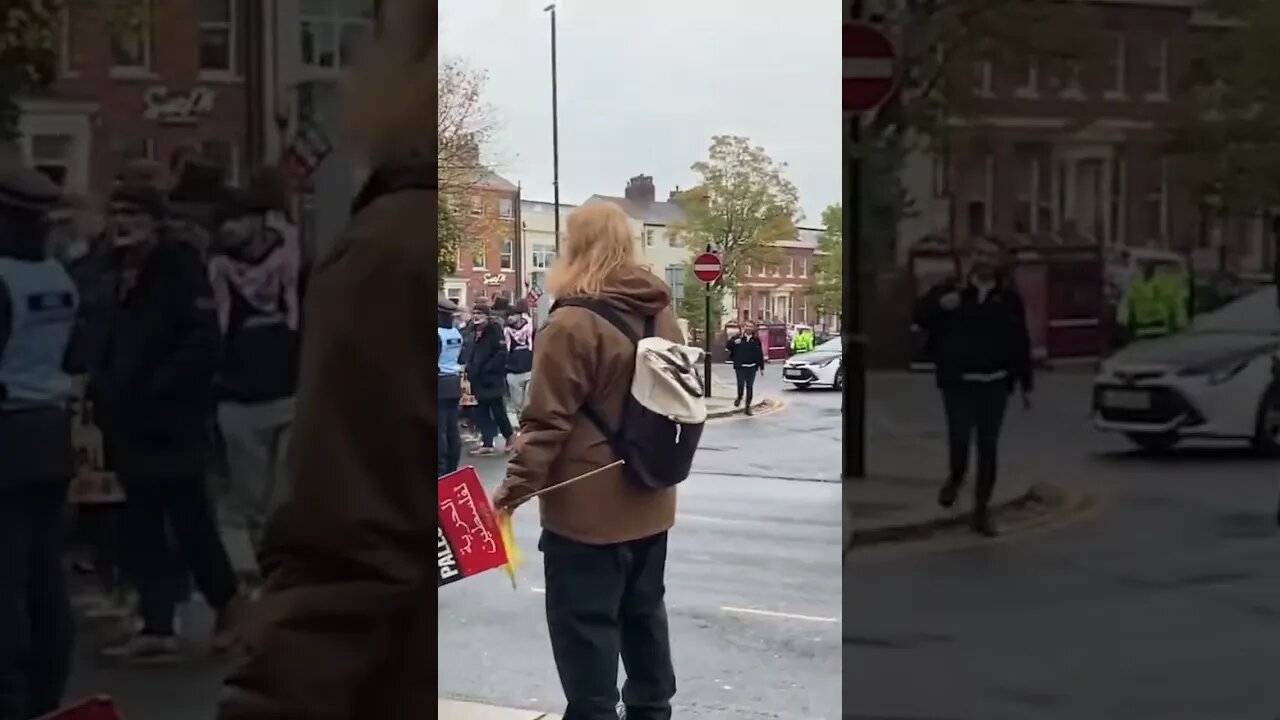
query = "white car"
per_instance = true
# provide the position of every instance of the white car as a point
(1216, 380)
(821, 366)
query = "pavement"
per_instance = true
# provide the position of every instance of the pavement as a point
(1156, 605)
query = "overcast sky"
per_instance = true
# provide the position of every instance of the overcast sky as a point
(644, 84)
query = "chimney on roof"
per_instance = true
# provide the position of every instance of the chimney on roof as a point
(640, 189)
(674, 194)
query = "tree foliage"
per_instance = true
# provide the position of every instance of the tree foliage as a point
(1229, 145)
(450, 242)
(28, 55)
(941, 41)
(692, 306)
(464, 126)
(828, 281)
(741, 207)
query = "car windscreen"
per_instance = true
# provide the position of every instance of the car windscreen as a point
(1255, 313)
(831, 346)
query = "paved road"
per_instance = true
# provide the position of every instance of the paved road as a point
(1163, 605)
(753, 584)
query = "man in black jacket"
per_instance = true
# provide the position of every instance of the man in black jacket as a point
(747, 355)
(978, 339)
(487, 374)
(151, 388)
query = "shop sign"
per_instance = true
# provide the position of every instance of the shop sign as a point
(177, 108)
(495, 279)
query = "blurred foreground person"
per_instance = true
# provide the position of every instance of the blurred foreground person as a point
(151, 388)
(604, 539)
(254, 275)
(979, 342)
(38, 312)
(343, 628)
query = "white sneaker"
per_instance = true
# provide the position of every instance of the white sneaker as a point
(144, 650)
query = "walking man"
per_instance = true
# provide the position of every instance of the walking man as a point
(449, 443)
(487, 373)
(151, 390)
(38, 312)
(978, 338)
(747, 355)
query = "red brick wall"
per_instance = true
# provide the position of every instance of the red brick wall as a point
(174, 64)
(495, 232)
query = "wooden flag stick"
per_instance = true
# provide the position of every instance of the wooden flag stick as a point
(570, 481)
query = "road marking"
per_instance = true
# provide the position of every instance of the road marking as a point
(771, 613)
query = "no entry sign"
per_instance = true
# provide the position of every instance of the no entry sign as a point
(707, 267)
(870, 68)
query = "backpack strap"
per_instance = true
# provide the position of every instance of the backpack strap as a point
(615, 437)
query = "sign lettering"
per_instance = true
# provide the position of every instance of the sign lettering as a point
(446, 563)
(469, 540)
(177, 108)
(495, 279)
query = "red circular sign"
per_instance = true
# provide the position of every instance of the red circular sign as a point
(870, 67)
(707, 267)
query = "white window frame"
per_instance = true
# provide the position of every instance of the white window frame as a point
(335, 22)
(804, 267)
(477, 206)
(483, 255)
(1030, 87)
(233, 42)
(506, 208)
(67, 163)
(1119, 46)
(66, 57)
(507, 255)
(984, 87)
(1161, 92)
(146, 69)
(1073, 82)
(544, 253)
(791, 266)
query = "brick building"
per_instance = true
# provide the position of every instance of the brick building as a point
(780, 291)
(491, 264)
(183, 72)
(1080, 153)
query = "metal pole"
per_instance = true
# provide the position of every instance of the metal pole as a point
(706, 341)
(854, 401)
(555, 127)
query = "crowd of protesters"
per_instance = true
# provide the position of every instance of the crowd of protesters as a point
(179, 314)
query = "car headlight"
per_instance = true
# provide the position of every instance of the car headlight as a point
(825, 363)
(1219, 371)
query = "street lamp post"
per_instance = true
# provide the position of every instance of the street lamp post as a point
(555, 127)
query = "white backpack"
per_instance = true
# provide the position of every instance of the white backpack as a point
(664, 415)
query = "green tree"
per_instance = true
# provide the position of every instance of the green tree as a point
(692, 306)
(28, 56)
(828, 280)
(740, 208)
(1228, 147)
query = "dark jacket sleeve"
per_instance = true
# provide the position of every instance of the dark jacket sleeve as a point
(1023, 366)
(194, 358)
(928, 308)
(758, 348)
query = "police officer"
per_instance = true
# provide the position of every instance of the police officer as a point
(1153, 309)
(450, 369)
(38, 316)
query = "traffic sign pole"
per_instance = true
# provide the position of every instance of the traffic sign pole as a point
(708, 268)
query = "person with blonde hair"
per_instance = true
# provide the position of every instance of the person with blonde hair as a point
(604, 539)
(343, 627)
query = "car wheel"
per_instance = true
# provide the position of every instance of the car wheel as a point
(838, 382)
(1154, 442)
(1266, 438)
